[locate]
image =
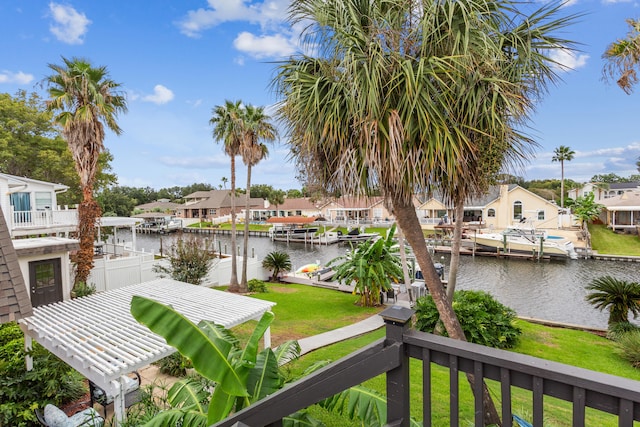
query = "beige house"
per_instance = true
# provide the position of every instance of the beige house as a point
(297, 206)
(356, 210)
(214, 204)
(622, 212)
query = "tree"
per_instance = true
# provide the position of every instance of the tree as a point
(562, 154)
(189, 260)
(261, 191)
(227, 127)
(371, 265)
(378, 107)
(586, 210)
(623, 57)
(618, 296)
(224, 181)
(84, 100)
(277, 262)
(256, 128)
(276, 198)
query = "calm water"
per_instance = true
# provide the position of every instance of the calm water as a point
(545, 290)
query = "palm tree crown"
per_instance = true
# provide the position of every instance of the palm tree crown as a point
(84, 100)
(623, 57)
(619, 296)
(562, 154)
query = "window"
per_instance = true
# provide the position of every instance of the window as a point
(212, 211)
(43, 200)
(491, 213)
(540, 215)
(517, 210)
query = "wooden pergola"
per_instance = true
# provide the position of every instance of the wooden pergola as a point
(98, 336)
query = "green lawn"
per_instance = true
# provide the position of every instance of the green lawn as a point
(303, 311)
(605, 241)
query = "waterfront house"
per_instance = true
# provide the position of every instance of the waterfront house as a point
(214, 206)
(162, 206)
(603, 190)
(622, 212)
(357, 210)
(292, 206)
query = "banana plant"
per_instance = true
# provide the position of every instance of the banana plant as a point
(241, 375)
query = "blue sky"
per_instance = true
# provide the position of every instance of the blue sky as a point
(176, 60)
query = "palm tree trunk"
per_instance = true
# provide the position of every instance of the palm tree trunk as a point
(233, 281)
(88, 211)
(456, 243)
(408, 221)
(243, 281)
(403, 260)
(562, 184)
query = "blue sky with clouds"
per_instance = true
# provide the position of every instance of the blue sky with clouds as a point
(176, 60)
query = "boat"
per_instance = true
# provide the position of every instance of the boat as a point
(356, 235)
(526, 240)
(158, 223)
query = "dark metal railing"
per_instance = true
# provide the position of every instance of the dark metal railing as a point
(581, 387)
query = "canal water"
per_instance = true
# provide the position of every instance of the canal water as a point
(549, 290)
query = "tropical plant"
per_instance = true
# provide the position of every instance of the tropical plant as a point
(586, 210)
(256, 128)
(241, 375)
(484, 319)
(623, 57)
(277, 262)
(174, 364)
(562, 154)
(276, 198)
(620, 297)
(371, 266)
(629, 347)
(189, 260)
(227, 127)
(84, 100)
(617, 330)
(384, 103)
(257, 285)
(82, 290)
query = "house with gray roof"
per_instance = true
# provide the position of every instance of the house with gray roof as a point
(214, 204)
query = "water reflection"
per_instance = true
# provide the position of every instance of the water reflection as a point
(545, 290)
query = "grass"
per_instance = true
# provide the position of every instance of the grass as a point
(303, 311)
(605, 241)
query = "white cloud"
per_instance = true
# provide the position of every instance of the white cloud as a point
(19, 77)
(567, 60)
(264, 46)
(195, 162)
(69, 26)
(267, 13)
(161, 95)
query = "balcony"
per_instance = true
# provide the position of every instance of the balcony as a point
(508, 374)
(24, 223)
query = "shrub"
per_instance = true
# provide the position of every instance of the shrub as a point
(616, 330)
(629, 347)
(175, 365)
(484, 320)
(189, 260)
(50, 381)
(257, 285)
(81, 289)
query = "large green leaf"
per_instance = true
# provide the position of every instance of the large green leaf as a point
(265, 378)
(287, 351)
(220, 405)
(188, 392)
(178, 417)
(209, 356)
(251, 348)
(301, 419)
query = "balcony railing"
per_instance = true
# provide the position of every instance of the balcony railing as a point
(46, 220)
(506, 371)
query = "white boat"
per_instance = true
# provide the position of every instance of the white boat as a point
(526, 240)
(356, 235)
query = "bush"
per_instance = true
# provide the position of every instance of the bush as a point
(81, 289)
(50, 381)
(619, 329)
(175, 365)
(257, 285)
(484, 320)
(629, 347)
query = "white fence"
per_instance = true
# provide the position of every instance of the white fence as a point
(112, 273)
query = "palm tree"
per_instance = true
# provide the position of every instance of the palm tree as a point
(399, 92)
(623, 57)
(227, 127)
(372, 265)
(84, 100)
(618, 296)
(277, 262)
(562, 154)
(256, 127)
(224, 180)
(276, 198)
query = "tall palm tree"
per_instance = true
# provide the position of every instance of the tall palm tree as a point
(623, 57)
(385, 102)
(84, 100)
(256, 128)
(228, 128)
(562, 154)
(618, 296)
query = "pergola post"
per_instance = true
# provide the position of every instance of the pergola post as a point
(267, 338)
(119, 410)
(28, 359)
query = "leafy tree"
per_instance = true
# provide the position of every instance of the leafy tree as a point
(623, 58)
(277, 262)
(116, 200)
(242, 376)
(586, 210)
(261, 191)
(356, 112)
(256, 128)
(562, 154)
(371, 265)
(294, 193)
(84, 100)
(195, 187)
(618, 296)
(227, 127)
(610, 178)
(189, 260)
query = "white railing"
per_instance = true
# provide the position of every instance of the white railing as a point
(43, 219)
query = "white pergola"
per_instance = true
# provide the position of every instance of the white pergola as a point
(98, 336)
